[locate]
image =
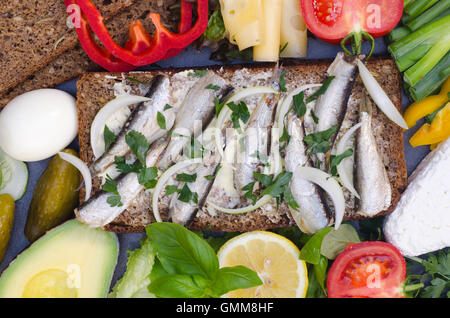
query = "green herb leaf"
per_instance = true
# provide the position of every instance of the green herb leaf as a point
(186, 195)
(320, 271)
(123, 167)
(198, 73)
(262, 178)
(314, 117)
(177, 286)
(232, 278)
(213, 87)
(138, 144)
(299, 104)
(277, 187)
(218, 106)
(336, 241)
(284, 139)
(320, 142)
(110, 185)
(167, 107)
(171, 189)
(211, 177)
(161, 120)
(239, 112)
(109, 138)
(216, 27)
(282, 48)
(321, 90)
(181, 251)
(183, 177)
(147, 177)
(114, 200)
(283, 82)
(132, 79)
(311, 251)
(336, 160)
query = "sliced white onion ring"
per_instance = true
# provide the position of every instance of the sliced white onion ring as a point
(263, 201)
(98, 125)
(380, 97)
(225, 114)
(83, 168)
(329, 184)
(287, 102)
(163, 180)
(346, 174)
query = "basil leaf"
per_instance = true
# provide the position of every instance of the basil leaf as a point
(314, 288)
(183, 177)
(109, 138)
(320, 271)
(161, 120)
(311, 251)
(181, 251)
(138, 144)
(336, 241)
(177, 286)
(321, 90)
(232, 278)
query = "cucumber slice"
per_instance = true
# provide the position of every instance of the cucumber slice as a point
(13, 176)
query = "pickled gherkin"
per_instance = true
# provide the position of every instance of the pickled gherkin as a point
(6, 222)
(55, 197)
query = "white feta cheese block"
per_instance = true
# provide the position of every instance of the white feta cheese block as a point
(421, 221)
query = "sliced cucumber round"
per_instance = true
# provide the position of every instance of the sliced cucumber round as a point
(14, 176)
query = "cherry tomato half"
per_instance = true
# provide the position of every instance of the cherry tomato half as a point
(333, 20)
(367, 270)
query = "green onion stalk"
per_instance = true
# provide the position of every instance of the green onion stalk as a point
(416, 8)
(432, 81)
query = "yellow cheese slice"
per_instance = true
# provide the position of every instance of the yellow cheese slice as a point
(293, 30)
(269, 50)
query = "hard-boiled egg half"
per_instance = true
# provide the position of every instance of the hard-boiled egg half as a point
(38, 124)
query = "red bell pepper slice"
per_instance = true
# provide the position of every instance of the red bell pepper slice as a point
(141, 48)
(96, 53)
(184, 26)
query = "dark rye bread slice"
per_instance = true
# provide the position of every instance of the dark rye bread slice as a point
(95, 89)
(75, 62)
(33, 33)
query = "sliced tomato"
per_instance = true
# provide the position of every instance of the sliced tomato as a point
(367, 270)
(333, 20)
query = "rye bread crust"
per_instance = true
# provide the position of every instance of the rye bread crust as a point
(95, 89)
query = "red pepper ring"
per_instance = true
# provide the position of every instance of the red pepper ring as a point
(96, 53)
(161, 43)
(184, 26)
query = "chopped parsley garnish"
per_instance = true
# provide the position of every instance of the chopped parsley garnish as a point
(184, 177)
(167, 107)
(211, 177)
(186, 195)
(249, 194)
(299, 104)
(161, 120)
(218, 105)
(132, 79)
(321, 90)
(146, 175)
(213, 87)
(314, 117)
(336, 160)
(109, 138)
(320, 142)
(198, 73)
(283, 82)
(240, 112)
(284, 139)
(110, 186)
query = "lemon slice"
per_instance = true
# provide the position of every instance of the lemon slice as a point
(274, 258)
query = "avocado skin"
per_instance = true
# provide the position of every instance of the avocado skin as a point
(94, 251)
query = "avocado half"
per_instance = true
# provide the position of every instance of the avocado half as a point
(70, 261)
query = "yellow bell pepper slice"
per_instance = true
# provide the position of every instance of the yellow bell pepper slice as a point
(426, 106)
(438, 131)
